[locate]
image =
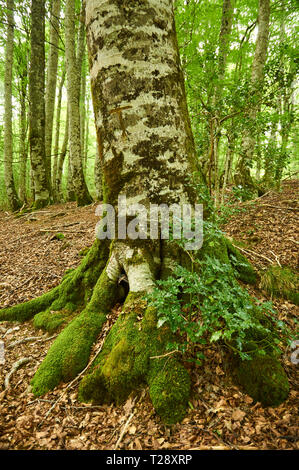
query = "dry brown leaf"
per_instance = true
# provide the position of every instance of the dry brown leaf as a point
(238, 415)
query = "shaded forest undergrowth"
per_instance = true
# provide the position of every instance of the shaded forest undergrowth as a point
(35, 251)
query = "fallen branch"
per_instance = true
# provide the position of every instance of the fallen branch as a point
(255, 199)
(280, 207)
(167, 354)
(14, 368)
(66, 231)
(2, 353)
(10, 330)
(253, 253)
(294, 241)
(276, 257)
(124, 429)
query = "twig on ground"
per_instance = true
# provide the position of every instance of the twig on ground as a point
(276, 257)
(167, 354)
(38, 339)
(66, 231)
(15, 366)
(253, 253)
(280, 207)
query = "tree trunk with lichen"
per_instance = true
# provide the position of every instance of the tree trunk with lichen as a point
(37, 105)
(242, 174)
(73, 73)
(51, 85)
(147, 153)
(11, 192)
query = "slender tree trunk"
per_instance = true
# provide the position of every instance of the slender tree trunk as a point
(83, 110)
(243, 176)
(57, 134)
(61, 160)
(73, 91)
(51, 83)
(284, 109)
(224, 42)
(23, 141)
(215, 135)
(11, 192)
(37, 104)
(86, 147)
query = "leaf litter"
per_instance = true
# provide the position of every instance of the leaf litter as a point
(220, 415)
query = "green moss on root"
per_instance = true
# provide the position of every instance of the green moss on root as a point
(126, 362)
(244, 270)
(50, 320)
(169, 390)
(70, 352)
(264, 379)
(25, 311)
(73, 291)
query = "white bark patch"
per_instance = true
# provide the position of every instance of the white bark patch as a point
(140, 277)
(113, 269)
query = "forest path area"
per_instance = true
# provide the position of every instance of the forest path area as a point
(33, 257)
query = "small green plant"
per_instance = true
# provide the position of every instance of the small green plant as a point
(242, 194)
(208, 305)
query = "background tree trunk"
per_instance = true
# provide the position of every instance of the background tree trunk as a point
(37, 104)
(51, 83)
(243, 176)
(11, 192)
(73, 92)
(57, 135)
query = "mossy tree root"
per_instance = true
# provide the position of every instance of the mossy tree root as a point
(74, 291)
(135, 350)
(134, 354)
(264, 379)
(70, 352)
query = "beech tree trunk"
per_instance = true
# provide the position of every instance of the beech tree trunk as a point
(243, 176)
(64, 149)
(11, 192)
(51, 84)
(57, 135)
(37, 104)
(148, 154)
(73, 93)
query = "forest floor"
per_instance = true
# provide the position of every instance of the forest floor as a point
(220, 416)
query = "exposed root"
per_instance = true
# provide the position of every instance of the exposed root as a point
(70, 352)
(135, 351)
(124, 363)
(74, 291)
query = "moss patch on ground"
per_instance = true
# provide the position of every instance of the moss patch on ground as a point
(281, 282)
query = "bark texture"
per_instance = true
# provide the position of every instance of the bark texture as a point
(57, 135)
(73, 93)
(37, 104)
(11, 192)
(139, 101)
(51, 83)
